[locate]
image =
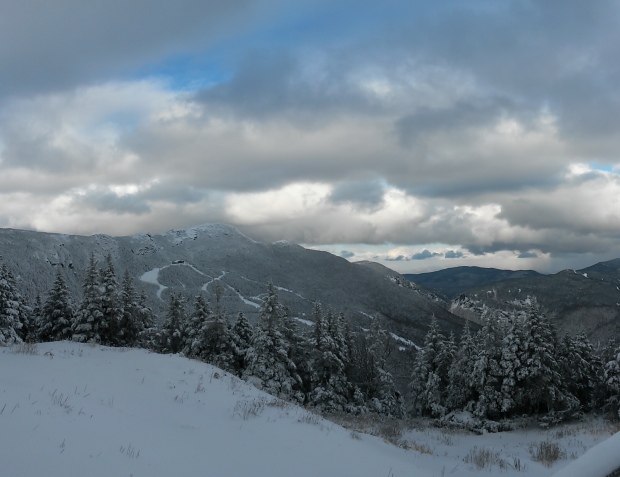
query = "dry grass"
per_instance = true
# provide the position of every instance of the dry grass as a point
(546, 452)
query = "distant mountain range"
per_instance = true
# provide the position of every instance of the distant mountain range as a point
(450, 282)
(579, 301)
(193, 260)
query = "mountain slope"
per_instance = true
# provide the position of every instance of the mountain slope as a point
(453, 281)
(195, 260)
(585, 300)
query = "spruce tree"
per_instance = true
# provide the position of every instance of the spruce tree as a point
(57, 314)
(172, 336)
(242, 333)
(460, 393)
(131, 323)
(196, 328)
(268, 361)
(13, 313)
(89, 325)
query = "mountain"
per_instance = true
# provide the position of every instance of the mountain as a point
(194, 260)
(586, 300)
(453, 281)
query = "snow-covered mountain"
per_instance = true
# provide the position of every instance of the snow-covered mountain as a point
(194, 260)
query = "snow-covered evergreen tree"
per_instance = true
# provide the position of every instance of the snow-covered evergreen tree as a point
(242, 333)
(429, 379)
(172, 336)
(58, 313)
(111, 308)
(612, 383)
(487, 375)
(196, 328)
(131, 323)
(539, 375)
(330, 388)
(268, 361)
(460, 392)
(89, 325)
(578, 368)
(13, 314)
(218, 347)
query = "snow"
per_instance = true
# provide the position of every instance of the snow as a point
(585, 275)
(152, 276)
(599, 461)
(404, 340)
(78, 409)
(305, 322)
(242, 298)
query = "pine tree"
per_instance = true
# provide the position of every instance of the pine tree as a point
(172, 337)
(330, 387)
(13, 313)
(460, 393)
(131, 323)
(194, 341)
(217, 340)
(487, 375)
(57, 313)
(111, 309)
(429, 379)
(89, 324)
(268, 361)
(578, 368)
(539, 376)
(242, 333)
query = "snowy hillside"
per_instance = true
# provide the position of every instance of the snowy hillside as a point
(73, 409)
(195, 260)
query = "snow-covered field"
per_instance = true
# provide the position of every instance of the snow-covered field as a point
(73, 409)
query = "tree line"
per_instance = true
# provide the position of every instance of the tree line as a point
(515, 365)
(328, 367)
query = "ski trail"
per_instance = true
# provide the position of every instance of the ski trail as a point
(215, 279)
(243, 299)
(152, 276)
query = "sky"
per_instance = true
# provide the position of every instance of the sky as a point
(422, 135)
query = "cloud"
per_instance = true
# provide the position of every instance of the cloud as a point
(527, 255)
(347, 254)
(424, 255)
(486, 127)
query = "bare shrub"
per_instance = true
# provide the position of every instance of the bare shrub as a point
(249, 409)
(26, 348)
(546, 452)
(483, 458)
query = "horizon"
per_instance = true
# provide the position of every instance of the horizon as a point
(421, 136)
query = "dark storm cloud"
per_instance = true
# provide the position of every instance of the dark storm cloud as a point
(453, 254)
(527, 255)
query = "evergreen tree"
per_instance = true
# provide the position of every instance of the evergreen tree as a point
(172, 336)
(89, 325)
(430, 373)
(487, 375)
(612, 383)
(268, 361)
(578, 368)
(13, 313)
(539, 376)
(57, 313)
(242, 333)
(111, 309)
(330, 387)
(131, 323)
(460, 393)
(217, 340)
(196, 328)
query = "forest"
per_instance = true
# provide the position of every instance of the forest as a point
(514, 366)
